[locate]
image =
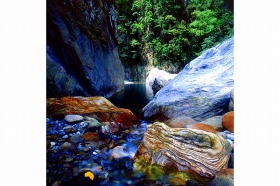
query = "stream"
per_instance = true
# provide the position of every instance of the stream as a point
(67, 167)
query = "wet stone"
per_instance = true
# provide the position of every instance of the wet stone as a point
(73, 118)
(76, 138)
(85, 149)
(68, 146)
(103, 175)
(67, 160)
(67, 129)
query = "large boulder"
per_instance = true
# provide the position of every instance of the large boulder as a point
(96, 107)
(200, 91)
(231, 102)
(158, 79)
(198, 153)
(82, 54)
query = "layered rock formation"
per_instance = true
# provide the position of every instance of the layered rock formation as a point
(198, 153)
(200, 91)
(82, 56)
(96, 107)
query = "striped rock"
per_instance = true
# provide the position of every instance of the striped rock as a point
(201, 154)
(96, 107)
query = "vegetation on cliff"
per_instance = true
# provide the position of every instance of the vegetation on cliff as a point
(171, 32)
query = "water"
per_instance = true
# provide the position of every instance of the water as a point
(134, 97)
(98, 160)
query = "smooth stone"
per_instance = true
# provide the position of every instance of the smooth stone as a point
(215, 122)
(229, 141)
(65, 136)
(67, 129)
(158, 79)
(67, 160)
(103, 175)
(230, 136)
(83, 124)
(119, 152)
(53, 143)
(57, 183)
(228, 121)
(204, 127)
(73, 118)
(180, 122)
(68, 146)
(200, 91)
(76, 138)
(222, 134)
(85, 149)
(94, 153)
(93, 124)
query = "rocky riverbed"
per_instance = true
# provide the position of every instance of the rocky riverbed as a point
(80, 146)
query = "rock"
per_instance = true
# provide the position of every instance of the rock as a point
(82, 53)
(175, 181)
(191, 183)
(90, 136)
(230, 136)
(83, 124)
(76, 138)
(200, 91)
(180, 122)
(158, 79)
(67, 129)
(93, 124)
(68, 160)
(215, 122)
(223, 177)
(85, 149)
(73, 118)
(103, 175)
(95, 107)
(68, 146)
(113, 128)
(204, 127)
(119, 152)
(48, 144)
(65, 137)
(228, 121)
(231, 102)
(198, 153)
(57, 183)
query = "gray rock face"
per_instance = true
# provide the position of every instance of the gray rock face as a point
(82, 56)
(231, 102)
(158, 79)
(215, 122)
(200, 91)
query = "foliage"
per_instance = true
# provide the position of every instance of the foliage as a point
(175, 31)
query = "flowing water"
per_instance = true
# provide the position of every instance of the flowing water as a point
(66, 167)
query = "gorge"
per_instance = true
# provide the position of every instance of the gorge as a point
(115, 117)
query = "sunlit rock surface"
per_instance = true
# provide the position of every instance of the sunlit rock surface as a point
(82, 54)
(158, 79)
(96, 107)
(201, 154)
(200, 91)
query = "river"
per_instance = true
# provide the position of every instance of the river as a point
(134, 97)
